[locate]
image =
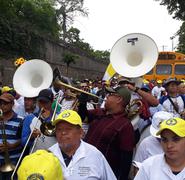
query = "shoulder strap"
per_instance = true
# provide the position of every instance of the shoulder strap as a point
(174, 105)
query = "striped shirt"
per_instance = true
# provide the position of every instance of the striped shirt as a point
(13, 134)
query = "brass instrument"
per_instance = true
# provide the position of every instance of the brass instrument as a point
(46, 127)
(133, 108)
(132, 56)
(35, 76)
(8, 166)
(76, 89)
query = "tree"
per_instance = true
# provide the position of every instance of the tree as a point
(38, 16)
(73, 35)
(101, 54)
(181, 34)
(67, 11)
(175, 7)
(25, 23)
(68, 59)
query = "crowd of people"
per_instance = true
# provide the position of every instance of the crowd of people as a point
(67, 134)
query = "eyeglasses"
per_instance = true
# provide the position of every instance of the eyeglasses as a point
(113, 94)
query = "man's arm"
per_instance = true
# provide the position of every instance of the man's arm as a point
(152, 101)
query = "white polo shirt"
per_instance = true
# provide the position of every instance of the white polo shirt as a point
(150, 146)
(87, 163)
(156, 168)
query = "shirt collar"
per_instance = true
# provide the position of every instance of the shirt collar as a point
(80, 153)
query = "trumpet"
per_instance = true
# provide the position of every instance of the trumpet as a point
(46, 127)
(8, 166)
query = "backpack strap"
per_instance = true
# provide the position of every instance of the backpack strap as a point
(174, 105)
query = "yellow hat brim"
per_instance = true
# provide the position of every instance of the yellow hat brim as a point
(174, 130)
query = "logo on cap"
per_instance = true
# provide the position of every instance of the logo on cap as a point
(171, 122)
(66, 115)
(35, 176)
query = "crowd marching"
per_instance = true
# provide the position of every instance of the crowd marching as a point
(130, 131)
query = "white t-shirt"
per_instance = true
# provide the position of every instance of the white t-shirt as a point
(156, 168)
(87, 163)
(66, 104)
(167, 105)
(150, 146)
(156, 91)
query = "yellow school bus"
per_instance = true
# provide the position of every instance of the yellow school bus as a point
(169, 65)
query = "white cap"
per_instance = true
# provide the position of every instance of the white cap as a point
(157, 118)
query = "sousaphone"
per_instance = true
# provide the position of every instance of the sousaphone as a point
(132, 56)
(32, 77)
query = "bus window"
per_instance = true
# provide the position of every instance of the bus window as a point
(164, 69)
(166, 56)
(180, 69)
(150, 72)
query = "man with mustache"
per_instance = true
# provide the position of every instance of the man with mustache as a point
(79, 160)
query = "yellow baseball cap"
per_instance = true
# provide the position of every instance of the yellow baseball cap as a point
(145, 81)
(40, 165)
(5, 89)
(176, 125)
(159, 81)
(69, 116)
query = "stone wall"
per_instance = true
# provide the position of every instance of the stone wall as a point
(52, 52)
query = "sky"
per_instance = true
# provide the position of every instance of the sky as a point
(109, 20)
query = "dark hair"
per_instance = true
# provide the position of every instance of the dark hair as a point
(12, 92)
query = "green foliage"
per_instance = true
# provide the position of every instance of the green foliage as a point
(18, 40)
(175, 7)
(68, 59)
(73, 35)
(24, 24)
(38, 16)
(67, 11)
(181, 33)
(102, 54)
